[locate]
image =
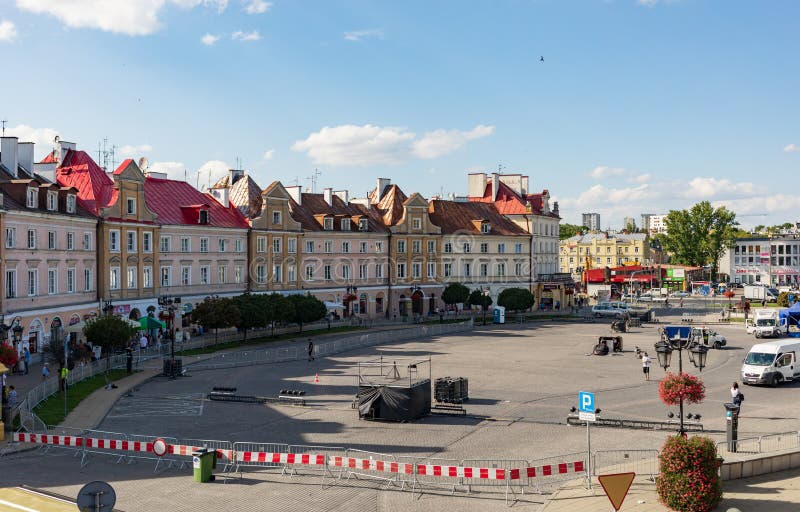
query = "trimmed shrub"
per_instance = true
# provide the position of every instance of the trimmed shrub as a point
(689, 479)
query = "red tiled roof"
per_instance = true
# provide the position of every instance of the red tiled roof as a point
(95, 188)
(50, 158)
(390, 207)
(457, 217)
(509, 202)
(314, 204)
(125, 163)
(177, 202)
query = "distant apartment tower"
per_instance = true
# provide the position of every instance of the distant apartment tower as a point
(627, 222)
(591, 221)
(654, 224)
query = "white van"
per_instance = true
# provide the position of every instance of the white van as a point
(772, 363)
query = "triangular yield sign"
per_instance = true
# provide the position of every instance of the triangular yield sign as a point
(616, 487)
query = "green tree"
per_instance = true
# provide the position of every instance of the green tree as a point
(570, 230)
(699, 236)
(758, 229)
(278, 309)
(631, 227)
(216, 313)
(478, 298)
(307, 308)
(455, 293)
(110, 332)
(516, 299)
(252, 313)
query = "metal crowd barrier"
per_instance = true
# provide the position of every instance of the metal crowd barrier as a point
(763, 444)
(257, 455)
(182, 451)
(314, 459)
(146, 450)
(433, 472)
(641, 462)
(366, 464)
(548, 473)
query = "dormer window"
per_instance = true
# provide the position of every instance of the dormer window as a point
(486, 227)
(131, 206)
(203, 217)
(345, 224)
(363, 224)
(52, 201)
(32, 198)
(328, 224)
(71, 201)
(276, 217)
(416, 223)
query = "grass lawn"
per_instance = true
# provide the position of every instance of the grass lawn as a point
(51, 411)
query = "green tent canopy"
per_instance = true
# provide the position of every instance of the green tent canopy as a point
(148, 322)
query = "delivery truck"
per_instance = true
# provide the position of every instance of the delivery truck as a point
(759, 292)
(772, 363)
(766, 323)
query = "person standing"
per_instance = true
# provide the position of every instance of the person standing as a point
(143, 341)
(12, 396)
(26, 354)
(310, 350)
(736, 395)
(646, 361)
(64, 375)
(45, 371)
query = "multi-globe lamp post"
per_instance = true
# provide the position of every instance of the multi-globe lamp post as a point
(697, 355)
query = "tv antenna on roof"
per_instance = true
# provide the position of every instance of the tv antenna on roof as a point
(313, 178)
(4, 121)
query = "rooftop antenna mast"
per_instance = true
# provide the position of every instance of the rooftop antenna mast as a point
(4, 121)
(500, 168)
(313, 178)
(107, 155)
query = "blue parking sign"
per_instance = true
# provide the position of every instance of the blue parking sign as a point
(586, 401)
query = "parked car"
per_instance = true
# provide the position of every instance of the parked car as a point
(608, 309)
(679, 295)
(708, 337)
(649, 297)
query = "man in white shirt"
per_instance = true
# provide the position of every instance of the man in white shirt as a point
(646, 366)
(143, 342)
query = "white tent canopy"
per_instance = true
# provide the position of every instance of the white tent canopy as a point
(333, 305)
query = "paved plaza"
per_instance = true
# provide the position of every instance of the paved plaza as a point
(522, 382)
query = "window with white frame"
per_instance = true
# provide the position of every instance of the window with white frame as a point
(486, 227)
(52, 201)
(431, 246)
(379, 247)
(204, 244)
(345, 224)
(517, 269)
(362, 271)
(222, 274)
(363, 224)
(309, 246)
(416, 223)
(309, 272)
(467, 269)
(186, 276)
(31, 239)
(205, 275)
(484, 248)
(113, 240)
(345, 246)
(130, 206)
(416, 246)
(276, 245)
(291, 273)
(448, 247)
(11, 284)
(327, 224)
(51, 240)
(238, 274)
(71, 203)
(70, 280)
(431, 269)
(131, 241)
(326, 272)
(484, 269)
(222, 245)
(261, 244)
(518, 248)
(238, 245)
(32, 198)
(70, 241)
(11, 238)
(131, 272)
(401, 270)
(165, 244)
(379, 271)
(166, 277)
(87, 279)
(416, 270)
(186, 244)
(501, 269)
(467, 247)
(328, 246)
(401, 246)
(276, 217)
(87, 241)
(277, 274)
(362, 247)
(501, 248)
(203, 217)
(147, 277)
(448, 269)
(147, 242)
(113, 278)
(291, 246)
(346, 272)
(261, 274)
(33, 282)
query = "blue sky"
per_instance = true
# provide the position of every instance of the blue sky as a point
(638, 107)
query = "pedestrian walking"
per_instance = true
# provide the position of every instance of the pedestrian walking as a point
(26, 354)
(12, 396)
(680, 303)
(646, 366)
(45, 371)
(64, 375)
(310, 350)
(736, 396)
(143, 342)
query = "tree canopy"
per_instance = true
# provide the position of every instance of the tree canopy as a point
(455, 293)
(700, 235)
(307, 308)
(569, 230)
(516, 299)
(215, 313)
(108, 331)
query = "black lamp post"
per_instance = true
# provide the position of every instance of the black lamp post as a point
(697, 355)
(108, 308)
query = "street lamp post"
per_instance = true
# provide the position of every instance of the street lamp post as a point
(697, 355)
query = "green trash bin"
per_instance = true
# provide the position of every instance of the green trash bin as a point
(203, 462)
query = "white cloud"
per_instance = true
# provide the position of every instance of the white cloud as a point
(209, 39)
(135, 150)
(713, 188)
(211, 172)
(42, 137)
(129, 17)
(8, 32)
(376, 145)
(640, 178)
(603, 171)
(269, 154)
(647, 3)
(257, 6)
(246, 36)
(173, 170)
(442, 142)
(360, 35)
(792, 148)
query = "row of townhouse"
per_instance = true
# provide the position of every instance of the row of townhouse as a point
(79, 239)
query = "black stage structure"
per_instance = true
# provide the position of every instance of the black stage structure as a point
(397, 389)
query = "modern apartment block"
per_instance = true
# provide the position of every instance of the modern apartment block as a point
(773, 261)
(591, 221)
(600, 250)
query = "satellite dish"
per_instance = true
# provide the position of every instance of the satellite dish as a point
(144, 163)
(97, 496)
(57, 139)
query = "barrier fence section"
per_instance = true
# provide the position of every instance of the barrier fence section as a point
(141, 447)
(365, 464)
(258, 455)
(545, 474)
(762, 444)
(641, 462)
(182, 451)
(314, 459)
(433, 472)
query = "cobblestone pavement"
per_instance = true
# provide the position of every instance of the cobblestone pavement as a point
(522, 382)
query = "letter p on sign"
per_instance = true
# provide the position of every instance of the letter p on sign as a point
(586, 401)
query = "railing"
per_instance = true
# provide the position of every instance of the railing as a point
(762, 444)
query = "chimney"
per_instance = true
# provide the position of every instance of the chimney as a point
(344, 195)
(327, 194)
(235, 174)
(476, 184)
(383, 184)
(25, 152)
(555, 207)
(223, 195)
(296, 191)
(495, 185)
(9, 154)
(65, 146)
(525, 185)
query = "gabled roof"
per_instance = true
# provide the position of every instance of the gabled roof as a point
(314, 207)
(390, 206)
(457, 217)
(177, 202)
(244, 193)
(50, 158)
(509, 202)
(95, 188)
